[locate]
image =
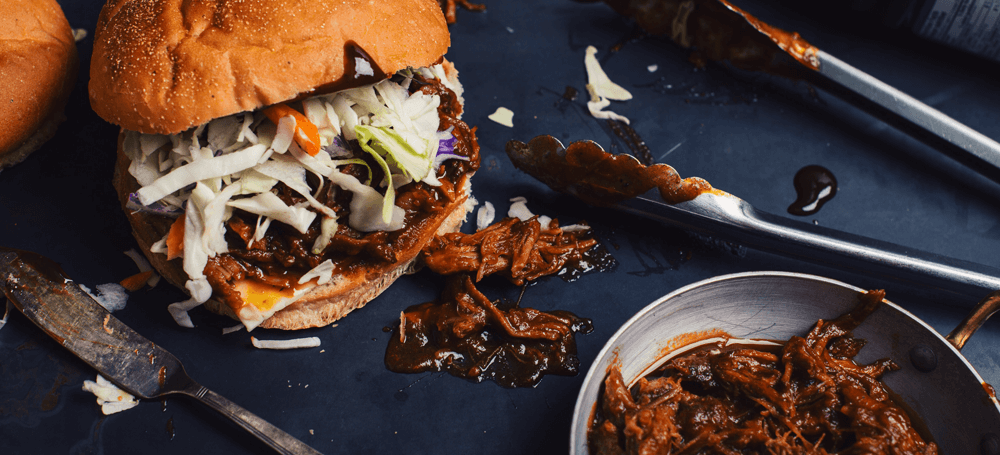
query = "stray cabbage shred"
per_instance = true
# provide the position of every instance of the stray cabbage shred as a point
(245, 155)
(109, 396)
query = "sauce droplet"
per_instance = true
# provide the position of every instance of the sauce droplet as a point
(170, 428)
(570, 93)
(814, 186)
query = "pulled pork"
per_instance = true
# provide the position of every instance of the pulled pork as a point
(808, 398)
(520, 250)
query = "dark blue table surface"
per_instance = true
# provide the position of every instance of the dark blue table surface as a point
(746, 133)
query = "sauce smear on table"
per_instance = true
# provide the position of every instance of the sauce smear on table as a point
(467, 335)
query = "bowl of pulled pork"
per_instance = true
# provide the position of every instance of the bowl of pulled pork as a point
(783, 363)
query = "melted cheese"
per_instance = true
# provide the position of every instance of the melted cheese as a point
(262, 296)
(260, 300)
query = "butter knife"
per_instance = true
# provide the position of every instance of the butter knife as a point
(39, 288)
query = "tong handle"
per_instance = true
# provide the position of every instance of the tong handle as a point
(969, 147)
(271, 435)
(730, 218)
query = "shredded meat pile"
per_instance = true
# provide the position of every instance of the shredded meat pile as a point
(469, 336)
(284, 254)
(520, 250)
(809, 398)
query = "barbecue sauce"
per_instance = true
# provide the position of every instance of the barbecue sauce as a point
(467, 335)
(814, 186)
(597, 177)
(808, 397)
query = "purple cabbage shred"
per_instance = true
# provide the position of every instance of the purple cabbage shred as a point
(447, 146)
(156, 207)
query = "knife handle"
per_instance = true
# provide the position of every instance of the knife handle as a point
(273, 436)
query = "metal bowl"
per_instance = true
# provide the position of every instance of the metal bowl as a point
(960, 414)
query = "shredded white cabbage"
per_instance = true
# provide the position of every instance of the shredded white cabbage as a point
(601, 89)
(239, 159)
(485, 216)
(323, 271)
(109, 396)
(111, 296)
(284, 135)
(195, 171)
(327, 228)
(179, 311)
(597, 78)
(519, 209)
(366, 206)
(159, 246)
(596, 109)
(6, 313)
(295, 343)
(144, 266)
(271, 206)
(503, 116)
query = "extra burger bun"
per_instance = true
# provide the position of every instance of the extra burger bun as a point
(323, 304)
(166, 66)
(38, 65)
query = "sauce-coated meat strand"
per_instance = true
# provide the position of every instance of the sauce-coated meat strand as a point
(520, 250)
(448, 7)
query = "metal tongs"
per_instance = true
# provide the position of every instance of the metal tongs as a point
(931, 126)
(582, 171)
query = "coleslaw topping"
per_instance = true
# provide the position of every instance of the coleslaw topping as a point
(245, 161)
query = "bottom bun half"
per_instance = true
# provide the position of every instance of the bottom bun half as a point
(323, 304)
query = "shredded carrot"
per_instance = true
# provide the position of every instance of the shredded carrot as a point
(135, 282)
(306, 133)
(175, 239)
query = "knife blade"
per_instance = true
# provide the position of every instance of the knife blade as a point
(39, 288)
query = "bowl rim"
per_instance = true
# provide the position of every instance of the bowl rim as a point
(608, 345)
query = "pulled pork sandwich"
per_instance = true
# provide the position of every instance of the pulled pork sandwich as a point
(38, 65)
(283, 161)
